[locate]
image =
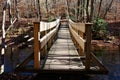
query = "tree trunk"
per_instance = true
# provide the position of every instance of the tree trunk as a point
(38, 10)
(46, 2)
(107, 9)
(87, 12)
(9, 9)
(83, 10)
(99, 8)
(54, 3)
(78, 9)
(68, 8)
(16, 14)
(3, 32)
(92, 9)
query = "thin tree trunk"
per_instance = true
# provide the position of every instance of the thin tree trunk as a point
(3, 31)
(92, 9)
(46, 2)
(3, 28)
(78, 9)
(9, 9)
(68, 8)
(99, 8)
(83, 10)
(75, 9)
(3, 37)
(54, 3)
(107, 8)
(81, 14)
(87, 12)
(16, 14)
(38, 10)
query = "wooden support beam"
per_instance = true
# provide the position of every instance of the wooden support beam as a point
(88, 46)
(100, 64)
(36, 45)
(27, 60)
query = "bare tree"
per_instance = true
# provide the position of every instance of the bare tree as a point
(16, 14)
(91, 11)
(7, 4)
(99, 8)
(38, 10)
(68, 7)
(108, 6)
(46, 2)
(87, 11)
(82, 14)
(78, 9)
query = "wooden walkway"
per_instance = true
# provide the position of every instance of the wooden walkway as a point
(63, 54)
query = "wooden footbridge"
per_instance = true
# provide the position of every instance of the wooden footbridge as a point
(62, 47)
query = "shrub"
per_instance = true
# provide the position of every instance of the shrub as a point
(99, 29)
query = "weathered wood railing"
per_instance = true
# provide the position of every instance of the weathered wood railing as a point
(48, 32)
(44, 35)
(81, 36)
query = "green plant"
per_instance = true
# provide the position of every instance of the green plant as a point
(51, 18)
(99, 29)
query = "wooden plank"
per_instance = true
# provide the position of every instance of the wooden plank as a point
(81, 34)
(81, 27)
(36, 45)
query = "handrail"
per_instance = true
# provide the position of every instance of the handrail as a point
(78, 31)
(78, 26)
(48, 25)
(81, 34)
(80, 41)
(46, 38)
(52, 26)
(39, 42)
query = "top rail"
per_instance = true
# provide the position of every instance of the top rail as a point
(48, 25)
(78, 26)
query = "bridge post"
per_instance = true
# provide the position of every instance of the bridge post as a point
(36, 45)
(88, 46)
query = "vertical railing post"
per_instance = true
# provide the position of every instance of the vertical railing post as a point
(36, 45)
(88, 46)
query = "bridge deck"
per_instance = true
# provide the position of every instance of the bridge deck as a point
(63, 54)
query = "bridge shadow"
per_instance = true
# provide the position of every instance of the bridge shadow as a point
(61, 76)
